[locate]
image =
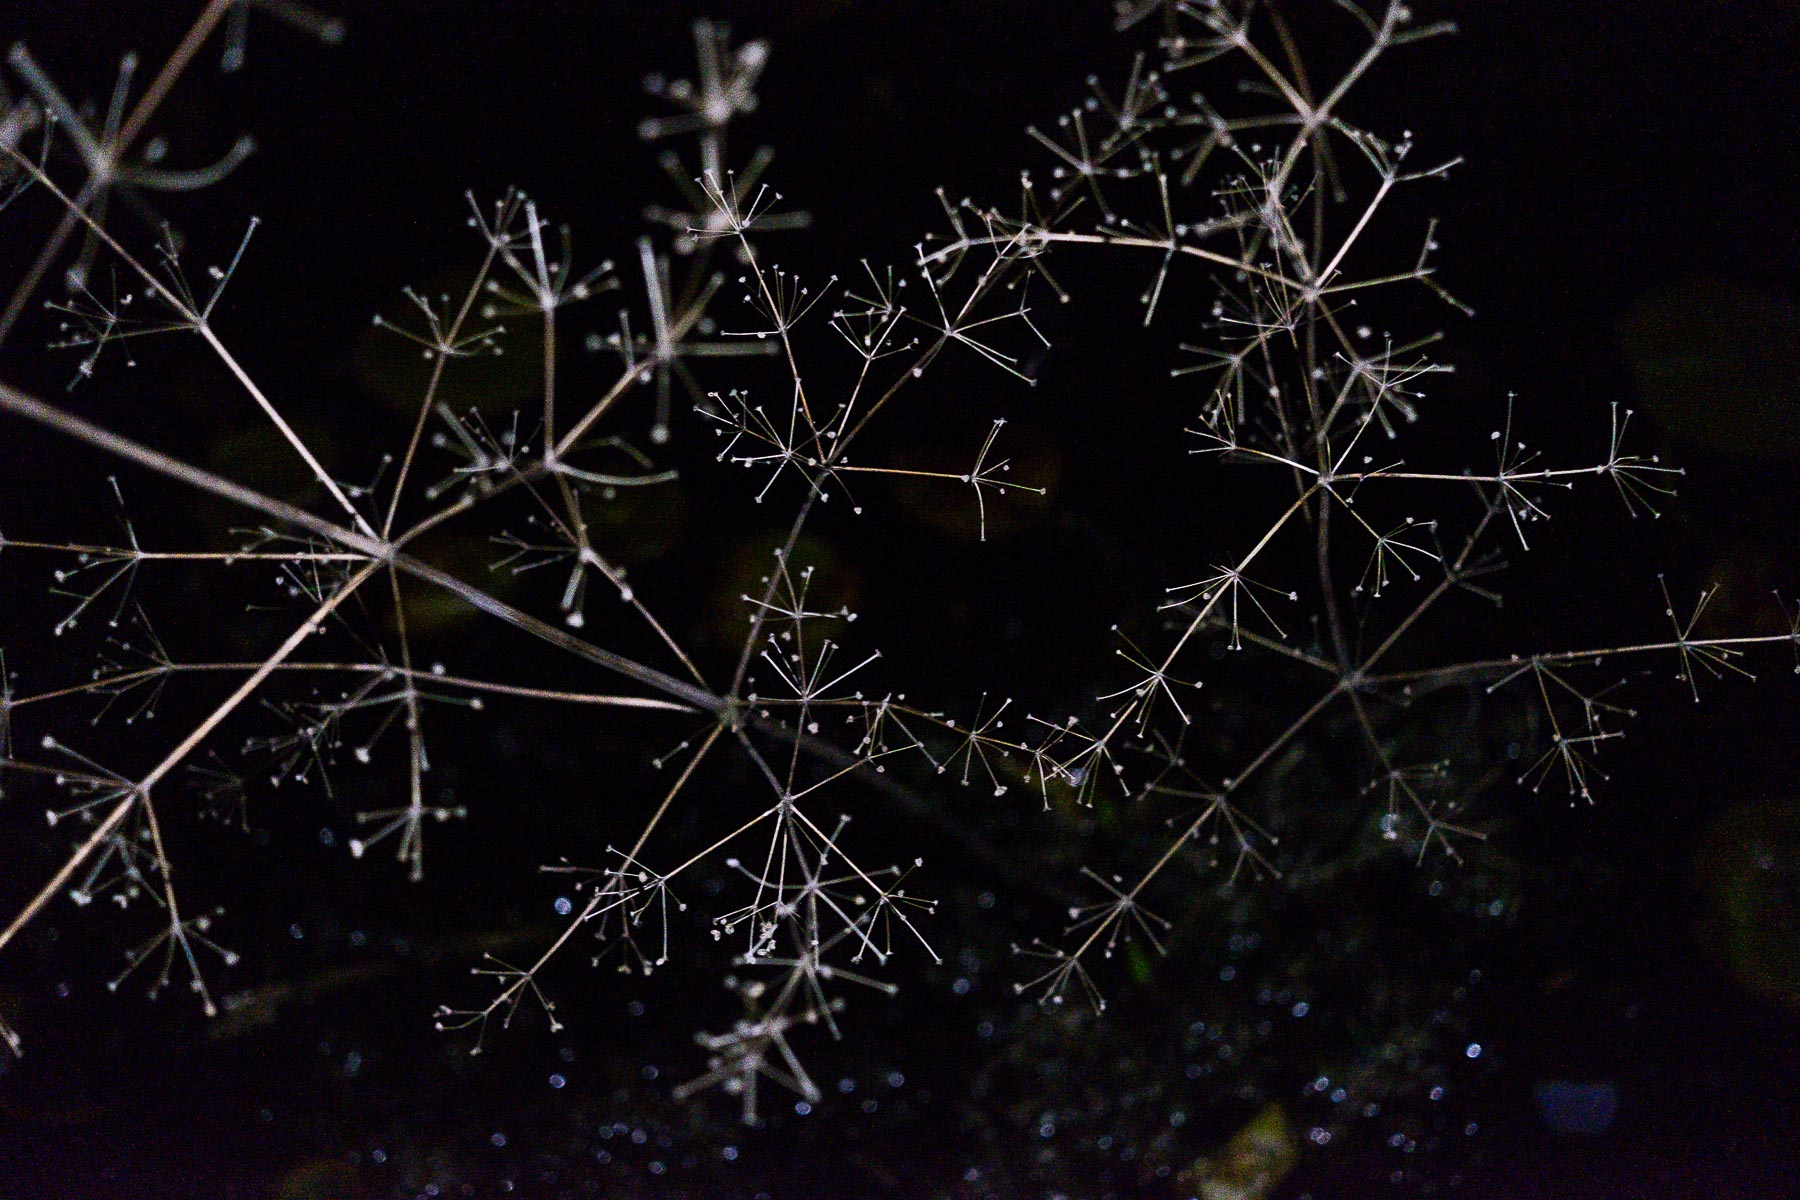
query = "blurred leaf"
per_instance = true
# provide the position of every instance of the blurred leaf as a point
(1256, 1159)
(1748, 867)
(397, 369)
(431, 610)
(834, 585)
(1719, 365)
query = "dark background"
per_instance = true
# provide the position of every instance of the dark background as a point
(1629, 183)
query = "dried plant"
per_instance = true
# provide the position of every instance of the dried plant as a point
(1252, 218)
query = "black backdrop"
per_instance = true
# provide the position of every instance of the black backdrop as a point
(1613, 153)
